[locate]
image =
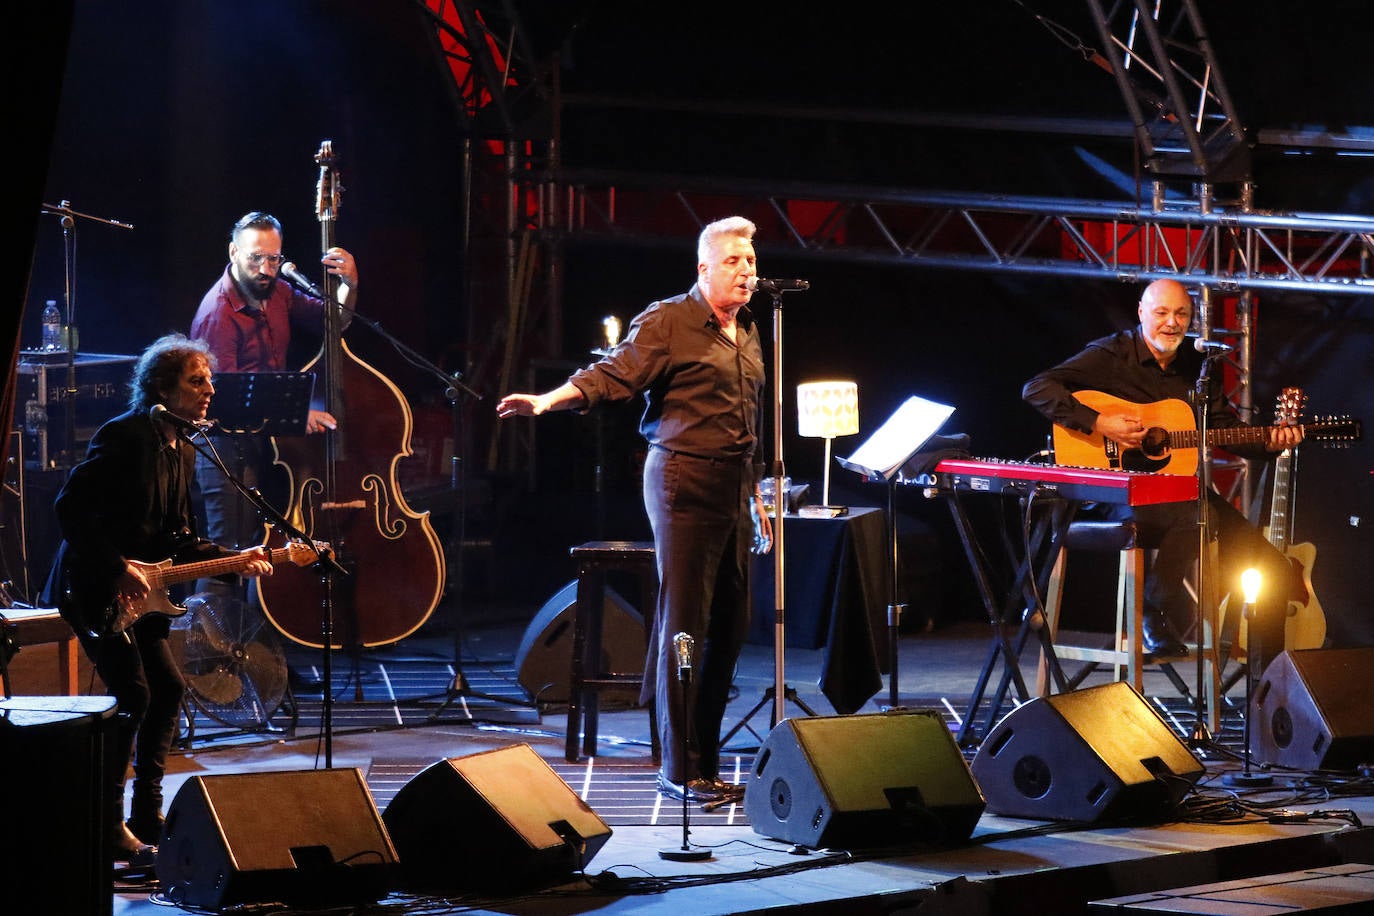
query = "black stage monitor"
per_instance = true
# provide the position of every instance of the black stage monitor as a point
(276, 403)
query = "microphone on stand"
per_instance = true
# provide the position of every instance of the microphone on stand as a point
(683, 645)
(1203, 345)
(289, 271)
(687, 852)
(180, 423)
(755, 284)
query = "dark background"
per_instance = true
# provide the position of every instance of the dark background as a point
(178, 117)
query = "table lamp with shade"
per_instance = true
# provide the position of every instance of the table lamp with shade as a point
(825, 410)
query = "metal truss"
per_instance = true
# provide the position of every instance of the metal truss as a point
(500, 88)
(1228, 247)
(1185, 121)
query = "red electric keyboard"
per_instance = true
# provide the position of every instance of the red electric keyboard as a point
(990, 475)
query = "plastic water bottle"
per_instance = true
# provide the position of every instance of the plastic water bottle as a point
(52, 326)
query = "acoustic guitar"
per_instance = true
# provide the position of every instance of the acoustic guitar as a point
(1171, 440)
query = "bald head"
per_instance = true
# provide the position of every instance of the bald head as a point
(1166, 311)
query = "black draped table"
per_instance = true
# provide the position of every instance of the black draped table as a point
(836, 599)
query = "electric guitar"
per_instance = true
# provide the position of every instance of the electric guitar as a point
(1171, 438)
(165, 573)
(1306, 624)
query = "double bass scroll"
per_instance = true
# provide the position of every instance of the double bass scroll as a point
(343, 490)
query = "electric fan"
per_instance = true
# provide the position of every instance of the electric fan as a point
(231, 659)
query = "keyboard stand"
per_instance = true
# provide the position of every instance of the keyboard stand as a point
(1046, 532)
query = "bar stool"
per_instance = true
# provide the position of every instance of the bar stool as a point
(594, 560)
(1126, 651)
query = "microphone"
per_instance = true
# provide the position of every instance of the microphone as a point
(289, 271)
(190, 427)
(755, 284)
(682, 645)
(1211, 346)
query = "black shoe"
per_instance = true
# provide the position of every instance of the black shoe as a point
(1158, 637)
(695, 790)
(148, 829)
(726, 788)
(126, 847)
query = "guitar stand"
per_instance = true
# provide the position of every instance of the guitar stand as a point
(1045, 539)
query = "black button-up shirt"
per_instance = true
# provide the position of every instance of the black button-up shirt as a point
(701, 390)
(1122, 366)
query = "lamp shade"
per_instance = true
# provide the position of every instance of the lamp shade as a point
(828, 409)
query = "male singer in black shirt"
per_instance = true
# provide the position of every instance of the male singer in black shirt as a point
(698, 362)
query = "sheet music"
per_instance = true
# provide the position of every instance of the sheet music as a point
(900, 437)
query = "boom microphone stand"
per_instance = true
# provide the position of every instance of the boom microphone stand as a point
(1201, 738)
(324, 559)
(454, 391)
(68, 218)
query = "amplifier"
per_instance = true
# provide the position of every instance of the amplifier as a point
(101, 392)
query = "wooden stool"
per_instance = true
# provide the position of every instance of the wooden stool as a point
(1126, 651)
(594, 560)
(31, 626)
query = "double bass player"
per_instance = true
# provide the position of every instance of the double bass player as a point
(247, 318)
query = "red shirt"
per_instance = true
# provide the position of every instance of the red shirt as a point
(245, 339)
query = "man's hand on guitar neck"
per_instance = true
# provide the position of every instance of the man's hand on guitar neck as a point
(260, 565)
(1278, 438)
(1127, 429)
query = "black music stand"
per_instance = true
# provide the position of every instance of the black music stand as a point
(272, 403)
(881, 458)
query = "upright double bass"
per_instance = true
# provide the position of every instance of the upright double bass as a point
(388, 571)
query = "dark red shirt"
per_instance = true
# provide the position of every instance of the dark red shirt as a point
(249, 339)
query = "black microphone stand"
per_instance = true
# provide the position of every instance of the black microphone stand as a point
(324, 558)
(687, 852)
(68, 218)
(454, 390)
(1201, 738)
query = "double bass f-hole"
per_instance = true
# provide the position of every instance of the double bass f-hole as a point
(344, 490)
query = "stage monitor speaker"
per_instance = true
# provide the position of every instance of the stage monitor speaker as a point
(299, 837)
(1310, 712)
(55, 840)
(543, 663)
(1100, 753)
(495, 819)
(878, 779)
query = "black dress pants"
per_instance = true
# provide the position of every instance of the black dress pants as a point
(698, 509)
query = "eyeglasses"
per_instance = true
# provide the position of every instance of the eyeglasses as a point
(257, 259)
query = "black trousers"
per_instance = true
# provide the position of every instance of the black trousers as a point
(698, 509)
(1172, 528)
(141, 673)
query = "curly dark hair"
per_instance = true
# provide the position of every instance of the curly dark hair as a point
(159, 368)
